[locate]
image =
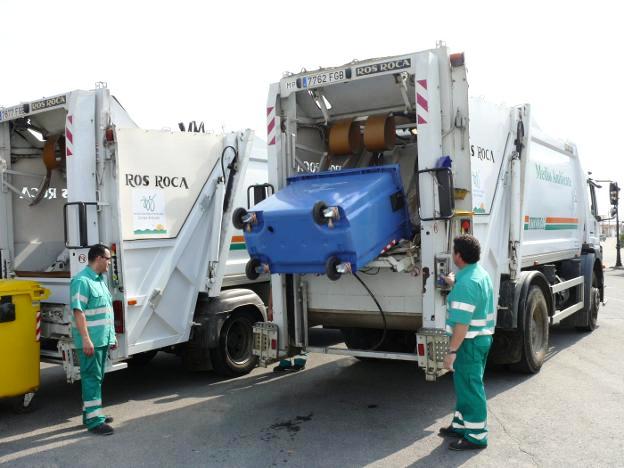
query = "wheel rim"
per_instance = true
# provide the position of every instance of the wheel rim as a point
(238, 341)
(595, 304)
(538, 331)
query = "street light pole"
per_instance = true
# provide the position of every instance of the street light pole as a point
(618, 259)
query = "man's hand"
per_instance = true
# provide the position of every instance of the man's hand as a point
(87, 346)
(450, 279)
(113, 347)
(449, 360)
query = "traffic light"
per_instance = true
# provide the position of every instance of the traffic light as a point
(613, 193)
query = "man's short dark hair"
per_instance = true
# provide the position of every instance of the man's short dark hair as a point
(98, 250)
(468, 247)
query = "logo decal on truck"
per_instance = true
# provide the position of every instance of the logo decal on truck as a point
(549, 223)
(390, 65)
(481, 153)
(47, 103)
(555, 176)
(141, 180)
(148, 212)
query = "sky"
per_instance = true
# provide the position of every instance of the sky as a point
(169, 61)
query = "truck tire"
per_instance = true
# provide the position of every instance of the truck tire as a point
(233, 357)
(534, 330)
(594, 306)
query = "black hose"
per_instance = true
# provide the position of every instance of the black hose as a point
(383, 315)
(228, 189)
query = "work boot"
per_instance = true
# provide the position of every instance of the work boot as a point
(463, 444)
(102, 429)
(448, 432)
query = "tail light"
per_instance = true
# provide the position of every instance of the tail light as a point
(465, 226)
(421, 349)
(109, 135)
(118, 313)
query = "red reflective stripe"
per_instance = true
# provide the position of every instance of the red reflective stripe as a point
(423, 83)
(422, 102)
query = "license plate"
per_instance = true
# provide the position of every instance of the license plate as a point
(323, 78)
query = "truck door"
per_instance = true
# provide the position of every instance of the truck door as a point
(170, 199)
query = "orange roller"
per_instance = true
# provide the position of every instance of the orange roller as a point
(380, 133)
(49, 153)
(345, 138)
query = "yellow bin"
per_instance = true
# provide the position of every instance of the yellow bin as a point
(20, 319)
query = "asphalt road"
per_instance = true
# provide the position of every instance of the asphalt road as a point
(339, 412)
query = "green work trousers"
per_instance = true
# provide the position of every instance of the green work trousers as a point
(470, 417)
(91, 377)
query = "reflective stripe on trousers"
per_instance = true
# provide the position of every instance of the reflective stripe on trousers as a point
(470, 418)
(91, 377)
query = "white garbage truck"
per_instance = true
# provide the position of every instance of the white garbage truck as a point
(75, 170)
(378, 165)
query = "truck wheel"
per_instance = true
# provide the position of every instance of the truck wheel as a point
(234, 356)
(237, 218)
(535, 331)
(330, 268)
(594, 306)
(142, 359)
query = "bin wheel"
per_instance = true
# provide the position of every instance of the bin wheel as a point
(250, 269)
(317, 212)
(330, 268)
(237, 218)
(24, 404)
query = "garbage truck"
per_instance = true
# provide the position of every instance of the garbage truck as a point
(75, 170)
(377, 165)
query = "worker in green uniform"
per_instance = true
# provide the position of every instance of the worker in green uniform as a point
(470, 322)
(93, 332)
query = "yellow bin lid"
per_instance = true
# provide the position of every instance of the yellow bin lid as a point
(32, 288)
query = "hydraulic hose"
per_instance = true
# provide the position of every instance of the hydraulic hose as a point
(383, 315)
(230, 179)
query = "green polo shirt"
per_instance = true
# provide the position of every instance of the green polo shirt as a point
(89, 293)
(471, 302)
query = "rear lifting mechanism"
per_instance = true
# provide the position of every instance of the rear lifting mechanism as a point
(345, 139)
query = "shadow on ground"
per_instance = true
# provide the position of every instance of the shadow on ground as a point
(340, 412)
